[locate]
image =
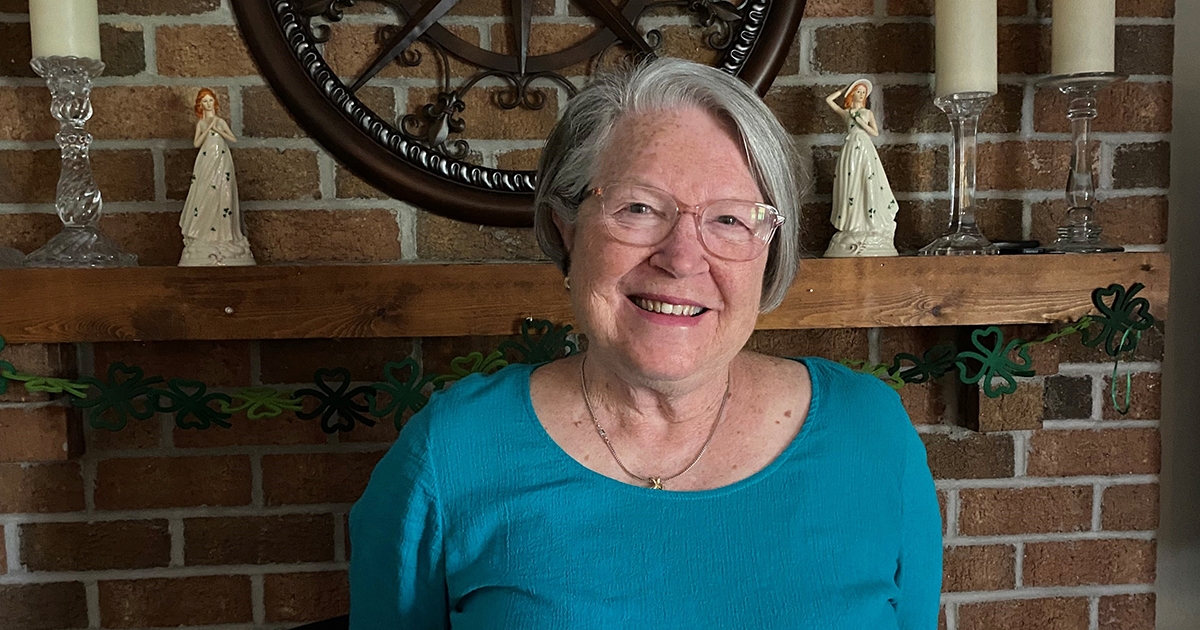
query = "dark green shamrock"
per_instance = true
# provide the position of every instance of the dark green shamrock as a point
(937, 361)
(262, 402)
(6, 369)
(406, 395)
(1123, 322)
(336, 406)
(541, 341)
(116, 401)
(186, 398)
(994, 361)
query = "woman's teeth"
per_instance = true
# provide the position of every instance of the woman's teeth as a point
(667, 308)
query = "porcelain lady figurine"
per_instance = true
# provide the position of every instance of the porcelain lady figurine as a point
(864, 209)
(214, 229)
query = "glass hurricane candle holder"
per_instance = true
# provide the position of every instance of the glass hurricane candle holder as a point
(1081, 233)
(964, 238)
(78, 201)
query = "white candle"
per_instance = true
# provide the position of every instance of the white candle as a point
(966, 46)
(1083, 36)
(64, 28)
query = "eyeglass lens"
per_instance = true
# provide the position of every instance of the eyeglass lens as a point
(638, 215)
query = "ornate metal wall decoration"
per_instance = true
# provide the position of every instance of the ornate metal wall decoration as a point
(424, 157)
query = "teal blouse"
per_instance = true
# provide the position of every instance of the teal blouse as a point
(477, 519)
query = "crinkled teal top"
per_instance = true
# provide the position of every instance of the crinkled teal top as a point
(477, 519)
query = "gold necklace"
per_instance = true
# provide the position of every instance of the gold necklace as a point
(655, 483)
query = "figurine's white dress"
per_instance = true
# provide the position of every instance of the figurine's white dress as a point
(864, 208)
(214, 231)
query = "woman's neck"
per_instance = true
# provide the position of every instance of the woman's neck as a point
(622, 400)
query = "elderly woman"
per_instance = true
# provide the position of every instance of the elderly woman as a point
(666, 478)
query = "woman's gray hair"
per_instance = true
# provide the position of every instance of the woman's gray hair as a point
(572, 152)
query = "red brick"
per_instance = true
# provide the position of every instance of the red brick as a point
(1127, 106)
(1058, 613)
(910, 109)
(1127, 612)
(1086, 452)
(525, 159)
(439, 238)
(135, 435)
(978, 568)
(49, 606)
(1127, 8)
(32, 176)
(202, 50)
(258, 539)
(145, 234)
(159, 7)
(43, 359)
(1023, 49)
(177, 482)
(1145, 397)
(838, 8)
(910, 167)
(3, 560)
(95, 546)
(162, 602)
(1016, 165)
(546, 38)
(1142, 165)
(25, 114)
(1019, 410)
(1124, 220)
(305, 597)
(1000, 511)
(264, 116)
(121, 48)
(257, 174)
(1145, 49)
(287, 479)
(285, 429)
(802, 109)
(925, 7)
(216, 363)
(973, 456)
(1129, 507)
(295, 361)
(924, 402)
(56, 487)
(350, 186)
(1080, 562)
(869, 48)
(324, 235)
(143, 112)
(437, 353)
(40, 434)
(352, 47)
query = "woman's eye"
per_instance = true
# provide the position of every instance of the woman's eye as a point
(638, 208)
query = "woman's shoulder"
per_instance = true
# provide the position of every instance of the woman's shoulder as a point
(472, 402)
(849, 392)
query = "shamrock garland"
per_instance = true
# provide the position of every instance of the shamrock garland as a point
(127, 392)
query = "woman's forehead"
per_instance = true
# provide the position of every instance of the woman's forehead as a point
(676, 143)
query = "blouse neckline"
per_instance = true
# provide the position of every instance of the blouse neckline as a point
(598, 480)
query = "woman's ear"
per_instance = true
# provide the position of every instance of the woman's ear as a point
(567, 231)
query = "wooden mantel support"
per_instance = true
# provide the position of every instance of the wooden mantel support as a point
(430, 300)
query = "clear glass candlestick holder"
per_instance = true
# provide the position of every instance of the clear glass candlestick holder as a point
(78, 201)
(1081, 233)
(963, 238)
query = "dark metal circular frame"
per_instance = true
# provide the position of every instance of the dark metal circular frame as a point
(382, 156)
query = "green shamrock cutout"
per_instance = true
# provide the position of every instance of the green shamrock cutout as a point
(262, 402)
(936, 362)
(474, 363)
(6, 371)
(115, 403)
(50, 385)
(878, 370)
(1127, 314)
(186, 398)
(402, 395)
(336, 405)
(541, 341)
(994, 362)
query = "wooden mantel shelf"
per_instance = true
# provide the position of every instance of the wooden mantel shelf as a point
(425, 300)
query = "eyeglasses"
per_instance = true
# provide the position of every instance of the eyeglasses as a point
(729, 228)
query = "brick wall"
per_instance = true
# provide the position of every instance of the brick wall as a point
(1050, 507)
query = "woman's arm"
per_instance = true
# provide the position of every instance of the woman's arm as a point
(222, 127)
(870, 126)
(919, 574)
(397, 571)
(201, 129)
(831, 101)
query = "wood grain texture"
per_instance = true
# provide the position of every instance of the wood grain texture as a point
(422, 300)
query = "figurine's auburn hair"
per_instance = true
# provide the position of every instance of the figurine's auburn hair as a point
(848, 100)
(199, 97)
(572, 153)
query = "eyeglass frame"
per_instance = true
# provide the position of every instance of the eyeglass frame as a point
(697, 210)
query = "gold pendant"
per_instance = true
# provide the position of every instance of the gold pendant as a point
(656, 483)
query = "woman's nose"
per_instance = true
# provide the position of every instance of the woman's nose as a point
(682, 253)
